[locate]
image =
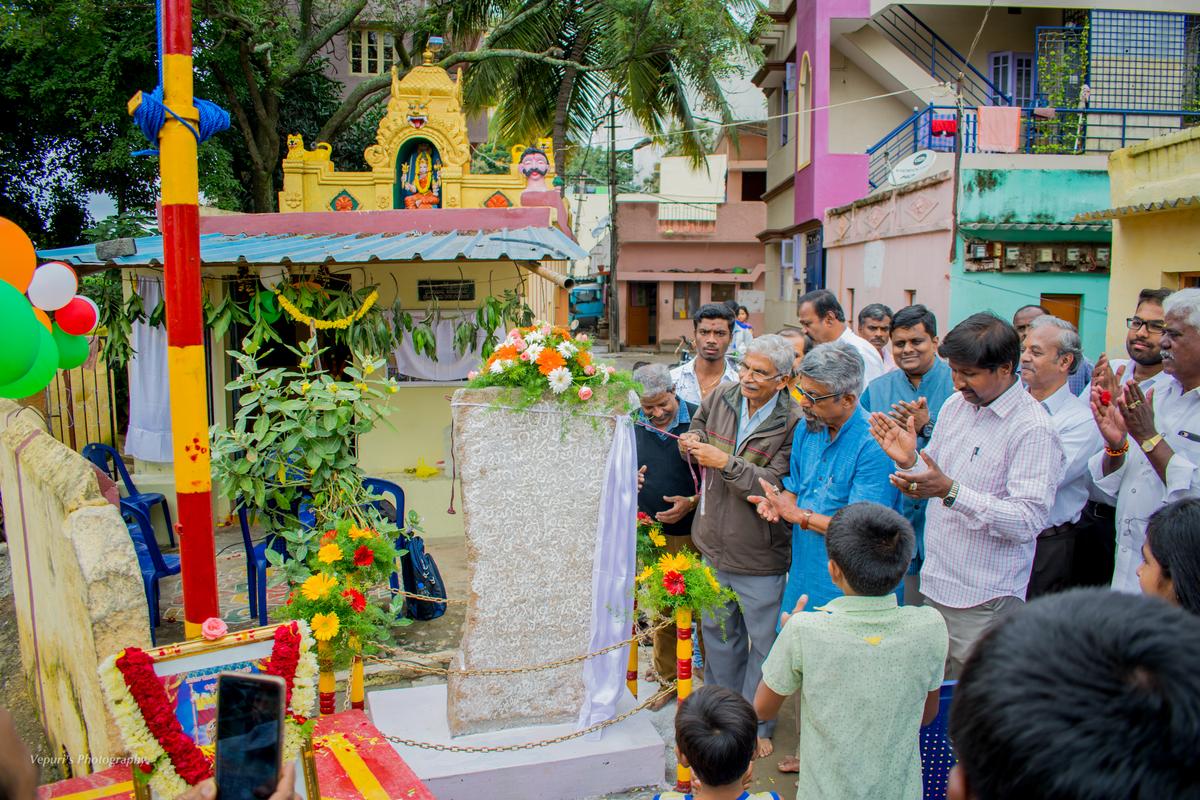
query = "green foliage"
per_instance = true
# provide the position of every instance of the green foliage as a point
(490, 158)
(128, 224)
(1062, 71)
(682, 580)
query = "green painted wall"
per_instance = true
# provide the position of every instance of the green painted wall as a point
(1053, 196)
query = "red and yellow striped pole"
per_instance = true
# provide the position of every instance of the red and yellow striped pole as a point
(683, 676)
(357, 687)
(631, 670)
(326, 680)
(185, 323)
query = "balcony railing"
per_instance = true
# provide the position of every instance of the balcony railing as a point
(1069, 131)
(689, 217)
(935, 55)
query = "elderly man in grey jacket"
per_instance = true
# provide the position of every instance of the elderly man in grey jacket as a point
(742, 433)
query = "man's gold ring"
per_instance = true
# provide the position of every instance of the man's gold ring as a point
(1135, 404)
(912, 487)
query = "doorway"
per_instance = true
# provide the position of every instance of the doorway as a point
(1064, 306)
(641, 323)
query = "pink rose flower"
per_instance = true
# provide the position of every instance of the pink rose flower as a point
(611, 370)
(581, 337)
(589, 370)
(585, 393)
(545, 330)
(525, 355)
(213, 628)
(520, 345)
(472, 375)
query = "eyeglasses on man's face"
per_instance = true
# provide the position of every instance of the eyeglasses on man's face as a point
(1151, 325)
(814, 398)
(756, 375)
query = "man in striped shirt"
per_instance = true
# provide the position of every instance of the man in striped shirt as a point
(993, 465)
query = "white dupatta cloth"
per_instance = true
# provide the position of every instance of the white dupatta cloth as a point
(612, 580)
(149, 434)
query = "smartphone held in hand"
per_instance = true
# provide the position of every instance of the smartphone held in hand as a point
(249, 735)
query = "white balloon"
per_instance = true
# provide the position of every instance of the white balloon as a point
(53, 286)
(271, 276)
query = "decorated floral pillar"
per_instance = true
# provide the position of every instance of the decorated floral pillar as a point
(683, 674)
(632, 671)
(357, 695)
(326, 684)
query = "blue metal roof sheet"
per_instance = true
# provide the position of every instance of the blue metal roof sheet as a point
(520, 244)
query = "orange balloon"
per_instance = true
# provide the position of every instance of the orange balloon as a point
(42, 317)
(17, 258)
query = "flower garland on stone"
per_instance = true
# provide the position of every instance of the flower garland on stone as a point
(681, 580)
(544, 357)
(326, 324)
(166, 756)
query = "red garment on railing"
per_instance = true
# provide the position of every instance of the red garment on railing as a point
(943, 127)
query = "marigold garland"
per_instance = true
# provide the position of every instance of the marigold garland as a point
(325, 324)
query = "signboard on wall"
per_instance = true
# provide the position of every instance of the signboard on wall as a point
(752, 299)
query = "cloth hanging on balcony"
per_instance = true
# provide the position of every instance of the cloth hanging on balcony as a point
(149, 435)
(999, 129)
(943, 126)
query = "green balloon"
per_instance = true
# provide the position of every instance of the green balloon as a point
(20, 333)
(72, 350)
(45, 364)
(268, 307)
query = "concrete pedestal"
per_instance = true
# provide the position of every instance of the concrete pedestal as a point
(627, 755)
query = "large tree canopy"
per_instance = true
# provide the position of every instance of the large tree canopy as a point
(67, 68)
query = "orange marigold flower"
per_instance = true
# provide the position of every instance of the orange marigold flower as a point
(563, 332)
(583, 357)
(504, 352)
(549, 360)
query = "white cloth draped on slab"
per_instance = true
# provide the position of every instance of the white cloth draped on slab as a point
(612, 579)
(149, 434)
(450, 366)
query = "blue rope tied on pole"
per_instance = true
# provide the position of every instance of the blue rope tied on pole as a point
(151, 115)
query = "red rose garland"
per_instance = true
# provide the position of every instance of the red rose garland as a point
(137, 670)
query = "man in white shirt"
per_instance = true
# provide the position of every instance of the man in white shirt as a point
(822, 318)
(1151, 455)
(1144, 364)
(875, 325)
(713, 326)
(1051, 352)
(993, 465)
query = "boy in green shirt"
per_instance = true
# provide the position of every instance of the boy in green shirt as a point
(868, 672)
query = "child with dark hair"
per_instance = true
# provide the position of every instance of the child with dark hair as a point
(1085, 695)
(868, 671)
(1171, 555)
(716, 735)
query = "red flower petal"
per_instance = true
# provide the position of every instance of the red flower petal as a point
(364, 556)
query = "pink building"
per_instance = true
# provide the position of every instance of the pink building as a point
(680, 251)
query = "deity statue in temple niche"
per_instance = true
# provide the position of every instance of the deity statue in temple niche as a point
(420, 178)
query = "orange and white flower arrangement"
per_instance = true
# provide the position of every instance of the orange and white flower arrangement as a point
(543, 357)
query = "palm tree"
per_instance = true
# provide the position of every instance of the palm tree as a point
(650, 54)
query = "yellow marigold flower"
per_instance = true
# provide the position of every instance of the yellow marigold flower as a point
(645, 574)
(304, 387)
(362, 387)
(317, 586)
(656, 538)
(333, 387)
(360, 533)
(712, 579)
(678, 562)
(393, 389)
(325, 626)
(368, 369)
(329, 553)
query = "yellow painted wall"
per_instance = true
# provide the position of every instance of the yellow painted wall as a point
(1152, 250)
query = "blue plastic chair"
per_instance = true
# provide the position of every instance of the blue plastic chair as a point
(153, 563)
(256, 565)
(386, 490)
(110, 461)
(937, 755)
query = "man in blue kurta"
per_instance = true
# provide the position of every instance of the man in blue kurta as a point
(918, 389)
(834, 463)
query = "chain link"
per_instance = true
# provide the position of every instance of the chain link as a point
(450, 748)
(421, 668)
(409, 595)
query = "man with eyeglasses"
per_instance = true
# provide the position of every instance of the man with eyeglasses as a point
(1164, 424)
(695, 380)
(1095, 557)
(740, 435)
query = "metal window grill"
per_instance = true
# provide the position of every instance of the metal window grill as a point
(1139, 60)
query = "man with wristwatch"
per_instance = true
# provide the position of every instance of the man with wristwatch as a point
(993, 465)
(1164, 424)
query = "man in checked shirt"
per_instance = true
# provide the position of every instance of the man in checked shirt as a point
(993, 464)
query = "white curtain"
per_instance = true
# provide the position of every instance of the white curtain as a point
(612, 580)
(149, 435)
(449, 365)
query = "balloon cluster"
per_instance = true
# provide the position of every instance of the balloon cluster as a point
(36, 346)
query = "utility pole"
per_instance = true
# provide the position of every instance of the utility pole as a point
(614, 319)
(185, 326)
